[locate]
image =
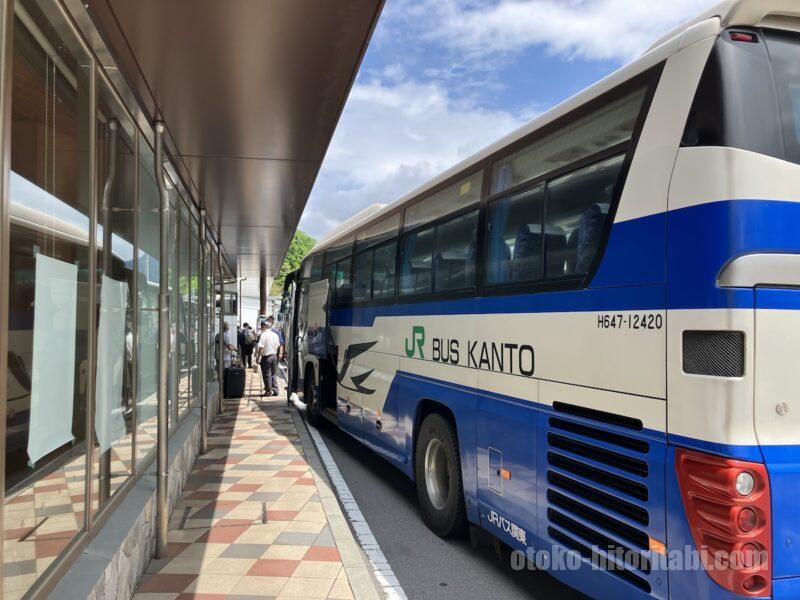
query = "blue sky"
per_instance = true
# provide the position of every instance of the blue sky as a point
(444, 78)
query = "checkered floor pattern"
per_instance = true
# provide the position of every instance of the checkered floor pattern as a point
(250, 523)
(41, 520)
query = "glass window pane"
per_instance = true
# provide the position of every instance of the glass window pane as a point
(49, 311)
(454, 262)
(577, 210)
(116, 179)
(184, 317)
(599, 130)
(362, 277)
(195, 306)
(514, 240)
(148, 288)
(379, 232)
(784, 51)
(449, 200)
(341, 282)
(383, 273)
(339, 250)
(416, 260)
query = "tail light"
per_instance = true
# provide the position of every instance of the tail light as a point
(727, 504)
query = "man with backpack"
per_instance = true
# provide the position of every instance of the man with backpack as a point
(249, 341)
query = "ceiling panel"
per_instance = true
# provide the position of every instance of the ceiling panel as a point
(250, 92)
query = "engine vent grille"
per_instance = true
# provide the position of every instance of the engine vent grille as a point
(598, 491)
(713, 353)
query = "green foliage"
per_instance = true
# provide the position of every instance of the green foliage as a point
(301, 244)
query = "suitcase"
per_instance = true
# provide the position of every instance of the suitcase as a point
(233, 386)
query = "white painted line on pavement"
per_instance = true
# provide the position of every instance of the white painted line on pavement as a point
(380, 566)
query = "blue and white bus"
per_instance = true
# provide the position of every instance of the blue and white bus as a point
(586, 337)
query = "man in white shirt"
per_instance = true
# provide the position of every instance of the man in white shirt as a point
(268, 345)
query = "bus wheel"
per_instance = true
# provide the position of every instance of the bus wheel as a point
(438, 475)
(311, 398)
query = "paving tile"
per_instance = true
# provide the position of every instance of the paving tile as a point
(273, 567)
(258, 586)
(245, 551)
(296, 539)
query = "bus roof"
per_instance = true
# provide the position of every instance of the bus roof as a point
(777, 13)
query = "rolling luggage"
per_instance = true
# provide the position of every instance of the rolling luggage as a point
(234, 379)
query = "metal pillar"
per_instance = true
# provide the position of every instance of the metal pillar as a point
(113, 130)
(262, 295)
(203, 336)
(220, 350)
(162, 511)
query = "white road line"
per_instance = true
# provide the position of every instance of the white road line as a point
(380, 566)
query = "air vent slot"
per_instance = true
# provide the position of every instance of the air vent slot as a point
(597, 454)
(601, 435)
(632, 488)
(598, 497)
(595, 558)
(713, 353)
(598, 415)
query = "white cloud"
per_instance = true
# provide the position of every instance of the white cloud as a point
(394, 135)
(616, 30)
(418, 113)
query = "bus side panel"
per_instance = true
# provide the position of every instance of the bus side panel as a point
(777, 418)
(407, 393)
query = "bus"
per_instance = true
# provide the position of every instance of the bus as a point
(585, 338)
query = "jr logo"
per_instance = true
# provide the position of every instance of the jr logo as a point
(417, 341)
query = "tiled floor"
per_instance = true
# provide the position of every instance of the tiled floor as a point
(42, 519)
(250, 523)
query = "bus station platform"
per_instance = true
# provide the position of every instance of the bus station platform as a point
(257, 517)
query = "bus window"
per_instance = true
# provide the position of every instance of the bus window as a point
(784, 51)
(316, 267)
(383, 271)
(341, 279)
(577, 207)
(454, 261)
(415, 269)
(514, 245)
(601, 129)
(362, 277)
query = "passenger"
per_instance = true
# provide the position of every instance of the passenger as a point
(249, 343)
(268, 347)
(227, 347)
(279, 332)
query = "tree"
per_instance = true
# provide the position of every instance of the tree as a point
(301, 244)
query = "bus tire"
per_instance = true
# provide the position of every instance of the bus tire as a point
(312, 400)
(437, 466)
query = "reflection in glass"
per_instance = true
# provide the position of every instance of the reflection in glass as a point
(49, 313)
(147, 309)
(116, 173)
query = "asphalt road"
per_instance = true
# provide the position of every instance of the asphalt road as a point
(425, 565)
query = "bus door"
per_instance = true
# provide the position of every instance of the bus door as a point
(290, 335)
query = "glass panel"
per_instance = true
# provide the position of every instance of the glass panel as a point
(383, 272)
(454, 262)
(341, 282)
(147, 333)
(49, 311)
(175, 301)
(415, 268)
(316, 267)
(449, 200)
(184, 316)
(784, 51)
(339, 250)
(599, 130)
(116, 180)
(514, 244)
(195, 306)
(577, 210)
(379, 232)
(362, 277)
